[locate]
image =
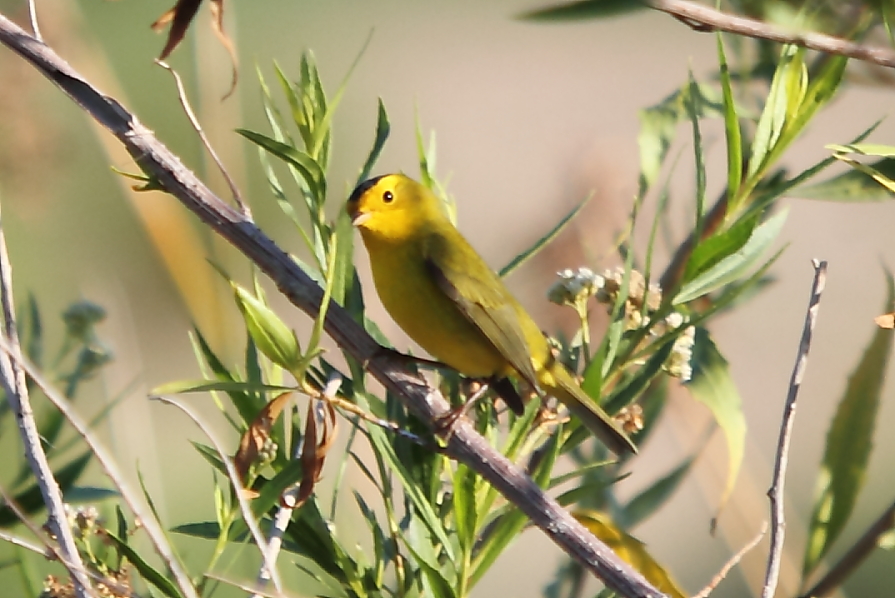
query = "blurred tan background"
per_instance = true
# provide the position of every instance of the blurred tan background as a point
(528, 119)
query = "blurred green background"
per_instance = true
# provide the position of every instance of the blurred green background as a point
(529, 119)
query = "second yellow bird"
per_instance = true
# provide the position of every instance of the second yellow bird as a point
(447, 299)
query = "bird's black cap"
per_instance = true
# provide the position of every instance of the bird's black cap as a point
(363, 188)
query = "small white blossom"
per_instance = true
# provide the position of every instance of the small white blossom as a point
(574, 286)
(674, 319)
(678, 364)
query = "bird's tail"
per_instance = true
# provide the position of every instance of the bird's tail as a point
(558, 382)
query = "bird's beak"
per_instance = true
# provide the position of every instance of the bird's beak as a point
(359, 218)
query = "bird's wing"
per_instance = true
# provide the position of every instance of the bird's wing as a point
(482, 298)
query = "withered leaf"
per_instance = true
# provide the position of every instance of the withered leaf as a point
(254, 439)
(317, 443)
(181, 16)
(885, 320)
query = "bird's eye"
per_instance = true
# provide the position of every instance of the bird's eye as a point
(388, 196)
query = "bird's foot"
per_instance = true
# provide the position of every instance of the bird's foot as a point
(444, 424)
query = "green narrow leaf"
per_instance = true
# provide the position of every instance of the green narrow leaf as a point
(211, 455)
(35, 343)
(647, 502)
(386, 450)
(344, 275)
(849, 442)
(543, 241)
(817, 94)
(313, 538)
(712, 250)
(309, 169)
(504, 531)
(767, 195)
(146, 570)
(658, 127)
(186, 386)
(865, 149)
(464, 501)
(30, 500)
(508, 527)
(773, 117)
(583, 9)
(693, 111)
(383, 129)
(628, 392)
(732, 133)
(735, 265)
(419, 543)
(246, 404)
(513, 444)
(382, 547)
(712, 385)
(853, 186)
(271, 335)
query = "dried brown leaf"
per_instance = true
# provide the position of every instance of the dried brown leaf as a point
(886, 320)
(316, 446)
(217, 25)
(254, 439)
(181, 16)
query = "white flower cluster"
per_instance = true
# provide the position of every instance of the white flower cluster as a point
(678, 363)
(82, 520)
(575, 287)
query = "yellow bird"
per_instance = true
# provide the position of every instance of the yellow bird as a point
(446, 298)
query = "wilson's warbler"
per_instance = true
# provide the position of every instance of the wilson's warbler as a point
(447, 299)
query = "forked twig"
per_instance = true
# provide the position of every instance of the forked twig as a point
(732, 562)
(194, 121)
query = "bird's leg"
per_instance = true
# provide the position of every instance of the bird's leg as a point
(444, 423)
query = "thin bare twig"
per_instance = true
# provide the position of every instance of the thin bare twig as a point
(775, 493)
(464, 443)
(22, 543)
(391, 426)
(867, 543)
(732, 562)
(704, 18)
(131, 498)
(191, 116)
(244, 507)
(32, 14)
(12, 378)
(50, 550)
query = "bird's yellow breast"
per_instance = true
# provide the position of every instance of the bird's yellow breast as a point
(426, 314)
